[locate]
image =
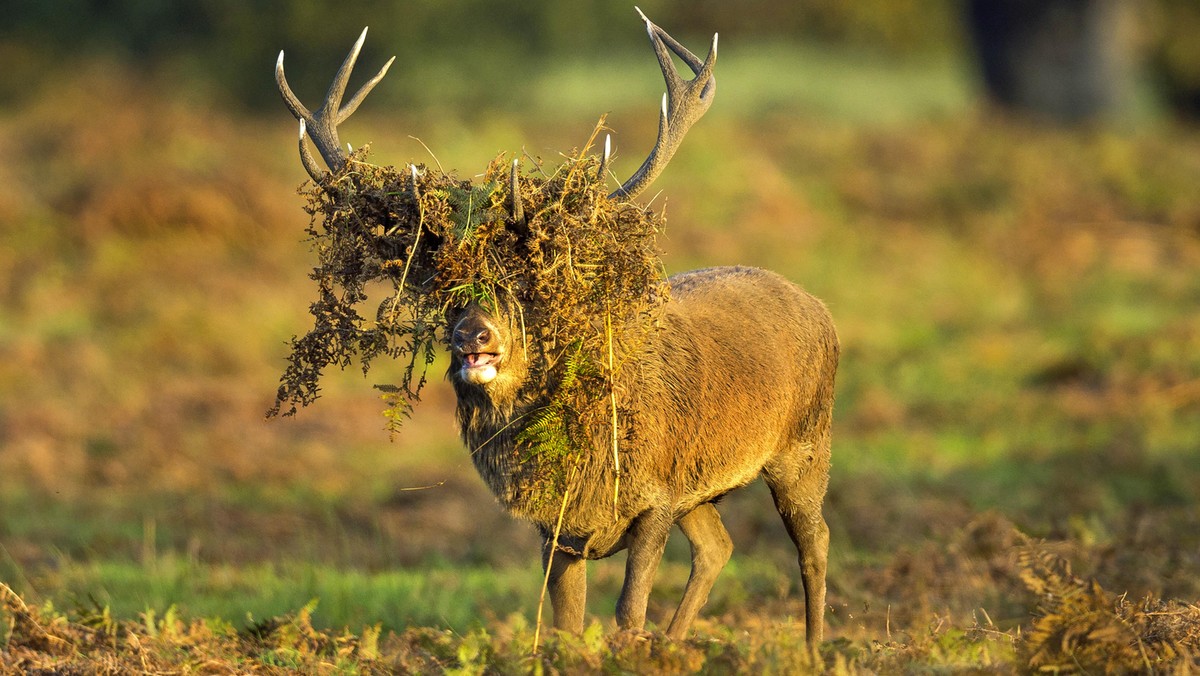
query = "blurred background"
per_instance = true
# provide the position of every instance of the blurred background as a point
(998, 200)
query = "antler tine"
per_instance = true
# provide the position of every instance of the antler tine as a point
(321, 126)
(518, 211)
(306, 158)
(289, 97)
(519, 224)
(601, 173)
(352, 105)
(337, 87)
(685, 102)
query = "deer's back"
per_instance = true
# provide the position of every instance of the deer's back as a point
(744, 363)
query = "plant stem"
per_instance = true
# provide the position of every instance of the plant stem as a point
(612, 399)
(537, 632)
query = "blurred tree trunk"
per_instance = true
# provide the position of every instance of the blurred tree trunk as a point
(1175, 56)
(1064, 59)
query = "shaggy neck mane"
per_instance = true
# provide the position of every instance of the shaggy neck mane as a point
(489, 422)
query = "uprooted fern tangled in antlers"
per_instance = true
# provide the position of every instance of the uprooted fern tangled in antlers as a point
(577, 262)
(580, 268)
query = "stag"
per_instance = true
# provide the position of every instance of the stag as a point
(736, 383)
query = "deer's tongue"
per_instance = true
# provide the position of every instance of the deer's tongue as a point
(479, 359)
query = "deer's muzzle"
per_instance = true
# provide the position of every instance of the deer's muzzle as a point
(477, 345)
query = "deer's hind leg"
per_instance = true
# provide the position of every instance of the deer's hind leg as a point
(711, 548)
(798, 481)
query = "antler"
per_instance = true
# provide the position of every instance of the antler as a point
(683, 103)
(518, 211)
(321, 125)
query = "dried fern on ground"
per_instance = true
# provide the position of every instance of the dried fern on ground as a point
(1080, 627)
(43, 640)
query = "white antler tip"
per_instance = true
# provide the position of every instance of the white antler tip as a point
(714, 48)
(358, 44)
(649, 25)
(607, 145)
(349, 148)
(279, 61)
(413, 167)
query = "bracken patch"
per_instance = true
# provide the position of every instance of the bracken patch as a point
(1081, 628)
(580, 271)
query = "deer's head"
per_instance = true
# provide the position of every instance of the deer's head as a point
(489, 353)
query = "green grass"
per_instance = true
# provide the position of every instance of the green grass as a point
(449, 595)
(456, 597)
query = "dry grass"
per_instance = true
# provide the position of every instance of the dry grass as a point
(1017, 306)
(1078, 628)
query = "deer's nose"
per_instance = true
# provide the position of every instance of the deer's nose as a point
(465, 336)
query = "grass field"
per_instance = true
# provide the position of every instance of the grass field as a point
(1020, 391)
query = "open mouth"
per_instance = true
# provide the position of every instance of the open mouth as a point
(479, 367)
(477, 359)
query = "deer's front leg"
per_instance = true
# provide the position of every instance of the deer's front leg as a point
(567, 587)
(647, 539)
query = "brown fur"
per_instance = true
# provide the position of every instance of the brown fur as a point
(737, 384)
